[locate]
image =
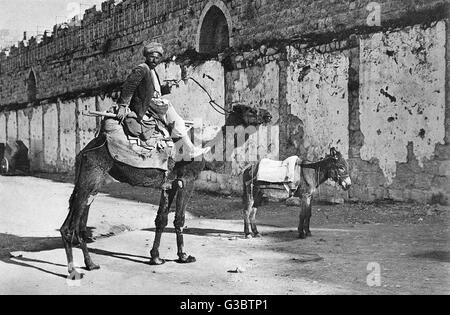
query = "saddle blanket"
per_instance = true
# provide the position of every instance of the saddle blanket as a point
(286, 171)
(129, 150)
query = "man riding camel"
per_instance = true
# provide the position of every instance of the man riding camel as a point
(141, 99)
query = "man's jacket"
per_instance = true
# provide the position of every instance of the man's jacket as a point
(138, 90)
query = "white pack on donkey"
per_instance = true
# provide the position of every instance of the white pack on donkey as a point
(139, 152)
(301, 179)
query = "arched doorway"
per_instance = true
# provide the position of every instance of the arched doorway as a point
(31, 87)
(214, 29)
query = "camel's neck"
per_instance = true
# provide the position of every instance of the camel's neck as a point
(225, 143)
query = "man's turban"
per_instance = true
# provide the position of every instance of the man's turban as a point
(153, 47)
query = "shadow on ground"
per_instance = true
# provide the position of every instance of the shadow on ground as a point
(200, 232)
(440, 256)
(12, 243)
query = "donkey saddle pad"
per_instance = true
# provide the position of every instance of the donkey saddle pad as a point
(134, 152)
(287, 171)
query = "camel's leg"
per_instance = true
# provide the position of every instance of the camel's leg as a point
(67, 238)
(161, 223)
(90, 265)
(184, 192)
(90, 169)
(70, 230)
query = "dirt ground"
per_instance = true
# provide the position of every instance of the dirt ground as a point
(408, 243)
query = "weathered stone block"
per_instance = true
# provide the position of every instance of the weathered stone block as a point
(444, 168)
(398, 194)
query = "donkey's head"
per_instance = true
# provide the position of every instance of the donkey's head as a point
(338, 169)
(248, 116)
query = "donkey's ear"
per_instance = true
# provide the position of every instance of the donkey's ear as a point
(333, 152)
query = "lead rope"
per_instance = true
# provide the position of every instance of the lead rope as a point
(318, 183)
(218, 108)
(252, 185)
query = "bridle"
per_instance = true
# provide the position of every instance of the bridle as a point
(331, 172)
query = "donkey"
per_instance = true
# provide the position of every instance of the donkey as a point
(308, 178)
(94, 163)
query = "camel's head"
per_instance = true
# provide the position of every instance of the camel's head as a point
(248, 116)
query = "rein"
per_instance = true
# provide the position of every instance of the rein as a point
(218, 108)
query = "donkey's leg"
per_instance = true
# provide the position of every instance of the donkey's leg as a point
(246, 213)
(305, 205)
(248, 207)
(253, 222)
(302, 218)
(161, 223)
(308, 218)
(184, 193)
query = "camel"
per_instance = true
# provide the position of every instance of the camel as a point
(94, 163)
(307, 180)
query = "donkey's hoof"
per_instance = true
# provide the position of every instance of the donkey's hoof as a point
(248, 236)
(308, 234)
(301, 236)
(92, 267)
(185, 259)
(258, 235)
(157, 261)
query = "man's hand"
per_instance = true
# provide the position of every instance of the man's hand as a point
(160, 102)
(125, 112)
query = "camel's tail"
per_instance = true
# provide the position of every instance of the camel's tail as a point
(77, 176)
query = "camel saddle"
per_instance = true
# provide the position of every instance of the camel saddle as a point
(279, 172)
(132, 151)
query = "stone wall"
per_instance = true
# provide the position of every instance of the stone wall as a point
(54, 132)
(100, 50)
(378, 94)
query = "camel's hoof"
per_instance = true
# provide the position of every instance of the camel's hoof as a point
(92, 267)
(185, 259)
(75, 275)
(157, 261)
(249, 236)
